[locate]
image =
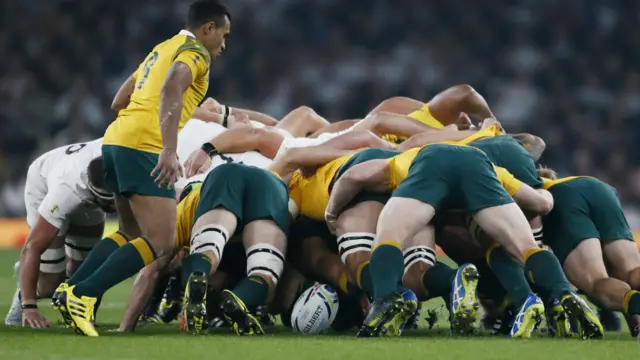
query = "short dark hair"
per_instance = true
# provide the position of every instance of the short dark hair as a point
(203, 11)
(95, 173)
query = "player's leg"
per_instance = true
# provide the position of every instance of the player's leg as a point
(624, 259)
(356, 227)
(503, 221)
(302, 122)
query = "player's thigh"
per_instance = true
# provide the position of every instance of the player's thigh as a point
(622, 256)
(127, 222)
(356, 229)
(585, 265)
(605, 210)
(266, 198)
(156, 217)
(224, 188)
(402, 218)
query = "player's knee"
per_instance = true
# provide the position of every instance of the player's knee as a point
(77, 247)
(265, 260)
(417, 259)
(210, 240)
(354, 243)
(53, 261)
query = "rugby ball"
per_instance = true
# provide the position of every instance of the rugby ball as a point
(315, 309)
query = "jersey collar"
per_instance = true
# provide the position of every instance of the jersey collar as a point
(186, 32)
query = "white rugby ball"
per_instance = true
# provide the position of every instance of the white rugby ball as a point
(315, 309)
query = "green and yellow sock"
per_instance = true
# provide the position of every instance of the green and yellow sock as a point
(97, 256)
(121, 265)
(346, 286)
(386, 268)
(510, 274)
(252, 290)
(194, 263)
(543, 269)
(632, 302)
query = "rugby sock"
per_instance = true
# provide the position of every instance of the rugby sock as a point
(97, 256)
(438, 280)
(346, 286)
(365, 282)
(197, 262)
(121, 265)
(544, 270)
(632, 302)
(510, 274)
(386, 268)
(252, 290)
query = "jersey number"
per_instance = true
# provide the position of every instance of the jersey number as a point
(151, 60)
(74, 148)
(227, 159)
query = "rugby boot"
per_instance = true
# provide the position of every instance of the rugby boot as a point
(194, 307)
(610, 320)
(236, 313)
(80, 310)
(170, 305)
(412, 323)
(633, 322)
(557, 320)
(261, 312)
(14, 316)
(464, 302)
(579, 313)
(528, 318)
(60, 305)
(388, 316)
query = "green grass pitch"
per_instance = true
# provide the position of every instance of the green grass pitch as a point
(164, 341)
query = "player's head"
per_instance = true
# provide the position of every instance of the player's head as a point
(210, 21)
(95, 183)
(534, 144)
(546, 172)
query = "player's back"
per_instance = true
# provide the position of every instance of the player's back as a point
(138, 126)
(67, 162)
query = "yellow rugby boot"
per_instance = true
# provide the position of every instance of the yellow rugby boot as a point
(528, 318)
(80, 310)
(237, 314)
(557, 321)
(579, 313)
(464, 302)
(59, 305)
(389, 315)
(194, 309)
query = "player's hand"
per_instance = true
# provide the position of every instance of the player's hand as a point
(211, 105)
(238, 120)
(168, 169)
(332, 222)
(33, 319)
(464, 122)
(197, 163)
(488, 122)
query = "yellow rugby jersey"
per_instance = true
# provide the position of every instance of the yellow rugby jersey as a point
(311, 194)
(399, 166)
(424, 116)
(491, 131)
(138, 126)
(547, 183)
(186, 213)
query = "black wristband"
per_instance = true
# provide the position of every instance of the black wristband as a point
(29, 306)
(225, 120)
(209, 149)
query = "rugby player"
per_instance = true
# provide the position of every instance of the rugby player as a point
(140, 144)
(459, 177)
(587, 226)
(66, 203)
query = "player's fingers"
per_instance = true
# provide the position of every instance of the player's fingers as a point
(180, 170)
(160, 177)
(47, 323)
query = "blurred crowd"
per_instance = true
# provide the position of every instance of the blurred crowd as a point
(564, 70)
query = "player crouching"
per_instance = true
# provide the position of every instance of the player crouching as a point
(236, 199)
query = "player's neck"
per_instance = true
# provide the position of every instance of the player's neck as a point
(187, 32)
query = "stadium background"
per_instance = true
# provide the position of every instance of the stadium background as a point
(567, 71)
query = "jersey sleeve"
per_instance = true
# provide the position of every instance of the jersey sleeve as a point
(58, 204)
(195, 56)
(510, 183)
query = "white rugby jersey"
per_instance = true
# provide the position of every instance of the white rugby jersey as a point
(197, 132)
(56, 186)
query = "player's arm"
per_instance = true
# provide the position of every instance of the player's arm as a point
(447, 105)
(123, 96)
(335, 127)
(178, 79)
(373, 175)
(449, 133)
(533, 202)
(359, 139)
(254, 115)
(311, 156)
(382, 123)
(142, 290)
(40, 237)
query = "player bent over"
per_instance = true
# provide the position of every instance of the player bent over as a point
(440, 176)
(236, 198)
(587, 226)
(66, 204)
